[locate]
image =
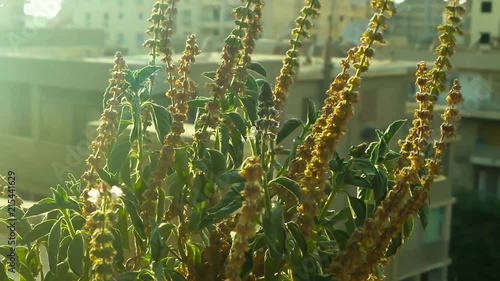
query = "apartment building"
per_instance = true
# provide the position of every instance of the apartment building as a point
(279, 18)
(417, 20)
(484, 28)
(125, 21)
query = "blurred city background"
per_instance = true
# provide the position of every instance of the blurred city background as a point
(55, 57)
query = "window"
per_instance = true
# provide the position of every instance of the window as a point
(186, 17)
(341, 18)
(485, 38)
(216, 13)
(488, 181)
(120, 16)
(87, 19)
(18, 101)
(140, 39)
(140, 16)
(433, 275)
(120, 40)
(434, 230)
(105, 23)
(486, 7)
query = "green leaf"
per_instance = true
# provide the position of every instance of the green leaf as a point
(60, 195)
(423, 214)
(231, 202)
(76, 254)
(218, 162)
(144, 73)
(23, 225)
(358, 210)
(39, 231)
(251, 83)
(176, 276)
(408, 228)
(341, 237)
(209, 74)
(25, 272)
(125, 174)
(289, 184)
(297, 235)
(199, 102)
(393, 129)
(380, 182)
(271, 266)
(134, 216)
(136, 118)
(257, 67)
(250, 105)
(176, 185)
(160, 206)
(238, 122)
(312, 112)
(122, 225)
(289, 127)
(274, 230)
(3, 273)
(396, 242)
(224, 138)
(383, 148)
(364, 165)
(125, 119)
(229, 178)
(109, 178)
(157, 245)
(162, 121)
(43, 206)
(158, 270)
(53, 245)
(374, 153)
(181, 164)
(118, 156)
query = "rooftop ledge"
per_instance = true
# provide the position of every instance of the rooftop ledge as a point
(312, 71)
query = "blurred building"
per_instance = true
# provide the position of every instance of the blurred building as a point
(12, 15)
(484, 26)
(417, 20)
(279, 18)
(125, 21)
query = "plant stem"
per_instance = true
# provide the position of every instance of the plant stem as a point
(71, 229)
(330, 199)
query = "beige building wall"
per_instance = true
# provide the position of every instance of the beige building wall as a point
(418, 20)
(279, 17)
(484, 21)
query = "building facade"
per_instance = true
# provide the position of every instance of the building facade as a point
(484, 26)
(417, 20)
(12, 15)
(279, 17)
